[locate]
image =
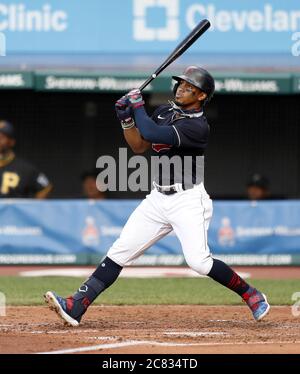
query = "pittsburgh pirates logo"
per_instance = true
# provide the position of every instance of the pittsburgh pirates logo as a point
(9, 180)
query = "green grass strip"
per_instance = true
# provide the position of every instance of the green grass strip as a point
(29, 291)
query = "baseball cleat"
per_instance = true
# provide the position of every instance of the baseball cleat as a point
(257, 303)
(61, 307)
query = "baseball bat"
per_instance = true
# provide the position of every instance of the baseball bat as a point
(199, 30)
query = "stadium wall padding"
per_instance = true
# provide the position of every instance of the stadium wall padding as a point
(79, 231)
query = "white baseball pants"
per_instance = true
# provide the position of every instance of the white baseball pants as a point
(188, 213)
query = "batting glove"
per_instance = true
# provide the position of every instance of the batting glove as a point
(135, 98)
(124, 114)
(123, 102)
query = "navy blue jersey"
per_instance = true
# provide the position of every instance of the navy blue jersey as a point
(192, 138)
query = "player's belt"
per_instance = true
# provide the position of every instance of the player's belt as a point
(169, 190)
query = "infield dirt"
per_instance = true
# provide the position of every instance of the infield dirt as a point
(152, 329)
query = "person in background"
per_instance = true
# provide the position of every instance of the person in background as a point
(18, 178)
(89, 186)
(258, 187)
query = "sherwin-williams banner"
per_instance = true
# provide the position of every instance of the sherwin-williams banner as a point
(17, 80)
(225, 83)
(137, 26)
(248, 83)
(79, 227)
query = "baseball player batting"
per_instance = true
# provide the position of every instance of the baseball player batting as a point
(183, 205)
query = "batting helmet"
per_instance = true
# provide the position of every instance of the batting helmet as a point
(198, 77)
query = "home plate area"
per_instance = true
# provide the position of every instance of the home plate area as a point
(178, 329)
(151, 329)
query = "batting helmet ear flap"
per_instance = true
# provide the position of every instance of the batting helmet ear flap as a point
(175, 88)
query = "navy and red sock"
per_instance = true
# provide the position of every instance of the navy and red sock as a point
(104, 276)
(223, 274)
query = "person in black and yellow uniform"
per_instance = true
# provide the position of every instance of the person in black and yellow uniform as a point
(18, 178)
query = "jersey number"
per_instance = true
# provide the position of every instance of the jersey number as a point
(9, 180)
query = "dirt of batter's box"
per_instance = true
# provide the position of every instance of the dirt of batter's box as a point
(152, 329)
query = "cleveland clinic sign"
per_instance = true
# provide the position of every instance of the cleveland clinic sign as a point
(148, 26)
(17, 17)
(264, 19)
